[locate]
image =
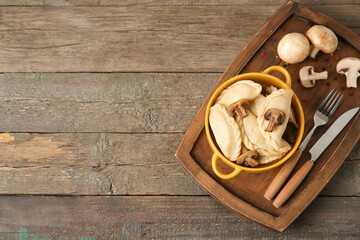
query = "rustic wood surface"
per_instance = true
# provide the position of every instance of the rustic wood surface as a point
(153, 217)
(95, 97)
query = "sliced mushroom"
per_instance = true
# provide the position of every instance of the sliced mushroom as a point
(275, 117)
(323, 39)
(349, 66)
(308, 76)
(248, 158)
(293, 48)
(238, 108)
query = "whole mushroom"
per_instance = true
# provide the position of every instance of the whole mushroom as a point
(238, 108)
(275, 117)
(323, 39)
(349, 66)
(308, 76)
(293, 48)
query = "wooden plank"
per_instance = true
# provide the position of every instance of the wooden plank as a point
(164, 217)
(117, 164)
(91, 164)
(114, 102)
(164, 2)
(135, 37)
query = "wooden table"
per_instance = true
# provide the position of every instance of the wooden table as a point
(95, 97)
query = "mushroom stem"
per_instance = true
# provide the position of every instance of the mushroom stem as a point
(352, 74)
(238, 108)
(321, 75)
(313, 51)
(272, 123)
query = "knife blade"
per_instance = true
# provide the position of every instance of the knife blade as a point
(318, 148)
(334, 130)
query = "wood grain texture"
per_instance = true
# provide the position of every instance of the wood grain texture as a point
(131, 123)
(112, 164)
(164, 2)
(91, 164)
(164, 218)
(136, 37)
(115, 102)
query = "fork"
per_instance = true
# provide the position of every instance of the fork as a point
(322, 115)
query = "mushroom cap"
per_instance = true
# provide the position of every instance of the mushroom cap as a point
(293, 48)
(304, 74)
(345, 63)
(322, 38)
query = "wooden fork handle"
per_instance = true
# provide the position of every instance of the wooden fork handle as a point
(293, 183)
(282, 175)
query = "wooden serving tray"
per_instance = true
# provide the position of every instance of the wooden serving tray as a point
(244, 193)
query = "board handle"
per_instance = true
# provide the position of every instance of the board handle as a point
(282, 175)
(214, 160)
(282, 70)
(294, 182)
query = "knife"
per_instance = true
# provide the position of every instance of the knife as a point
(315, 152)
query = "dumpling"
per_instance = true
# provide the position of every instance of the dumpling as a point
(226, 131)
(277, 108)
(269, 156)
(245, 89)
(270, 89)
(254, 140)
(256, 104)
(292, 119)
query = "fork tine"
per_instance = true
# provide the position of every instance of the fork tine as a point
(328, 103)
(336, 106)
(331, 103)
(325, 101)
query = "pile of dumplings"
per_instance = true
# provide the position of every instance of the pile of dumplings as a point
(249, 126)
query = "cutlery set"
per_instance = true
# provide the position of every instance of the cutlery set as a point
(322, 115)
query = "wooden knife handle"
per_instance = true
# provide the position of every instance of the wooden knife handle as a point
(293, 183)
(282, 175)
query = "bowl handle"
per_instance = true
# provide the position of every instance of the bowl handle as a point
(282, 70)
(215, 159)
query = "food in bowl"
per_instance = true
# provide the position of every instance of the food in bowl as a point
(249, 126)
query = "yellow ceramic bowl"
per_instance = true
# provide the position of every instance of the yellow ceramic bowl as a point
(265, 80)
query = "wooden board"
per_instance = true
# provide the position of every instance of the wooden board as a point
(244, 194)
(163, 217)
